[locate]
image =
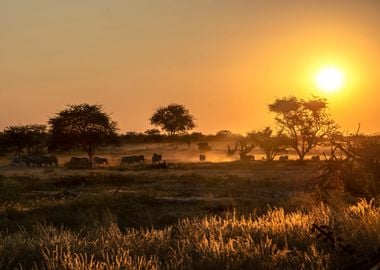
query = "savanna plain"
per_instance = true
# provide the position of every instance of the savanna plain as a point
(219, 214)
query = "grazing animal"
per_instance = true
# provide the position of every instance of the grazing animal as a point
(140, 158)
(160, 165)
(315, 158)
(79, 163)
(156, 158)
(202, 158)
(33, 160)
(131, 160)
(100, 161)
(247, 158)
(17, 161)
(283, 158)
(125, 160)
(50, 160)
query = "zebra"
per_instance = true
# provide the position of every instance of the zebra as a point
(100, 161)
(315, 158)
(156, 158)
(132, 159)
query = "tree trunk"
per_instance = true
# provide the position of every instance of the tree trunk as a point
(90, 152)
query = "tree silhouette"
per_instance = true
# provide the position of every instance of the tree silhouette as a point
(173, 118)
(31, 138)
(152, 132)
(84, 126)
(271, 144)
(306, 122)
(204, 147)
(3, 145)
(244, 149)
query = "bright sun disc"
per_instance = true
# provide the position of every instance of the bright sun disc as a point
(329, 80)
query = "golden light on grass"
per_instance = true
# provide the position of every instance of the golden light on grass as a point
(329, 79)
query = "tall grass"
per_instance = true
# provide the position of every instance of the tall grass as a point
(275, 240)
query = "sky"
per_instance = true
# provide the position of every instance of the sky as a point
(224, 60)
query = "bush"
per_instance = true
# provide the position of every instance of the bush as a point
(357, 170)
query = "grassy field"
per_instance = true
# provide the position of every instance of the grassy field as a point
(214, 215)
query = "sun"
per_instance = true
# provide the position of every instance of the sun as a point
(329, 79)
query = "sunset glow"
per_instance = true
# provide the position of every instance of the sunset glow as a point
(222, 59)
(189, 134)
(330, 79)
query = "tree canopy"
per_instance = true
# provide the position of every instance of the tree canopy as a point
(306, 122)
(173, 118)
(31, 138)
(84, 126)
(271, 144)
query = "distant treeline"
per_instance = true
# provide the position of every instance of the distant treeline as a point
(301, 125)
(156, 137)
(35, 139)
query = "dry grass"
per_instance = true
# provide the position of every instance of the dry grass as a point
(275, 240)
(193, 216)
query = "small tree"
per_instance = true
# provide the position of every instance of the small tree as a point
(173, 118)
(204, 147)
(232, 151)
(356, 168)
(153, 132)
(244, 150)
(153, 135)
(84, 126)
(31, 138)
(223, 134)
(271, 144)
(306, 122)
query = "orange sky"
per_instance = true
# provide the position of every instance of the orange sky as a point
(225, 60)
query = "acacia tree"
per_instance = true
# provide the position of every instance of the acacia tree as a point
(271, 144)
(84, 126)
(3, 146)
(173, 118)
(153, 132)
(305, 122)
(31, 138)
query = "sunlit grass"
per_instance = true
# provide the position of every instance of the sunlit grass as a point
(215, 216)
(275, 240)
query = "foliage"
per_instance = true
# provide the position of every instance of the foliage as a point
(85, 126)
(305, 122)
(224, 133)
(232, 151)
(3, 143)
(152, 132)
(31, 138)
(356, 169)
(272, 145)
(244, 149)
(173, 118)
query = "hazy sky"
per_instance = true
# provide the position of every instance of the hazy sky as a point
(225, 60)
